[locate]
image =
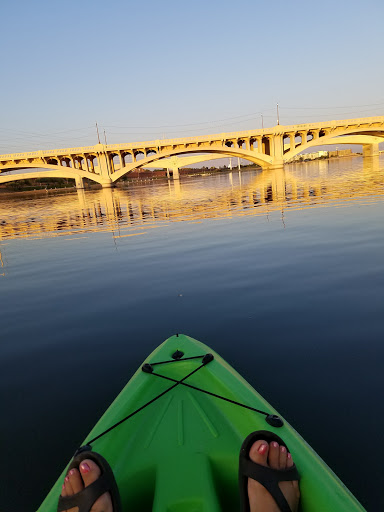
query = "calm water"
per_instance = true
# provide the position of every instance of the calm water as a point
(282, 273)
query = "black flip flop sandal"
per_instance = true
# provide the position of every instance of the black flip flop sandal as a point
(266, 476)
(85, 499)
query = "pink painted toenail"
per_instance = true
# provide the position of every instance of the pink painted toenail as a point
(262, 448)
(274, 444)
(66, 478)
(282, 448)
(85, 468)
(289, 456)
(63, 487)
(72, 472)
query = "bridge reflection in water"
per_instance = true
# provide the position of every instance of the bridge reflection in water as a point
(139, 208)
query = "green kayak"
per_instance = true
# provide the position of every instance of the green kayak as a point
(185, 415)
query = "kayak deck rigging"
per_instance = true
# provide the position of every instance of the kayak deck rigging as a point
(271, 419)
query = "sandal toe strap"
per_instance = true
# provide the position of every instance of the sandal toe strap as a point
(270, 478)
(85, 499)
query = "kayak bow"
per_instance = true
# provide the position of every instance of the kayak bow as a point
(173, 435)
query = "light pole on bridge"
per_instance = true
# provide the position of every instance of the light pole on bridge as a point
(98, 136)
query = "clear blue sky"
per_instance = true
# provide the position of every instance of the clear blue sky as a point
(142, 68)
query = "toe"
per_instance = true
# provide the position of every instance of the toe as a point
(289, 460)
(259, 452)
(63, 491)
(283, 457)
(90, 471)
(68, 486)
(274, 455)
(75, 480)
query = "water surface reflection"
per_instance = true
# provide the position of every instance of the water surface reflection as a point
(125, 212)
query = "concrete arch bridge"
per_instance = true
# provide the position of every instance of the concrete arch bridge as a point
(269, 148)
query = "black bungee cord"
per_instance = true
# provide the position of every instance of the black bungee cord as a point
(271, 419)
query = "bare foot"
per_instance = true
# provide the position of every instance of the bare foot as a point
(76, 480)
(276, 457)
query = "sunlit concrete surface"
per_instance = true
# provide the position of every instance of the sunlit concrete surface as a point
(270, 148)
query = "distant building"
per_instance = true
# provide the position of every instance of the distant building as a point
(305, 157)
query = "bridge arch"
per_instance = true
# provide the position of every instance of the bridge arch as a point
(363, 136)
(252, 156)
(53, 171)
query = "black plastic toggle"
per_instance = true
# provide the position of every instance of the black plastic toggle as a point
(178, 354)
(274, 420)
(207, 358)
(85, 448)
(147, 368)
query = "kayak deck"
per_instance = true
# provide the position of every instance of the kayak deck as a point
(180, 452)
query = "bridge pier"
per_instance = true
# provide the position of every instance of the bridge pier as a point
(371, 150)
(175, 173)
(79, 182)
(277, 152)
(108, 184)
(277, 164)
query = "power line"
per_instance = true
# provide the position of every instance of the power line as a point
(340, 113)
(331, 108)
(34, 134)
(190, 124)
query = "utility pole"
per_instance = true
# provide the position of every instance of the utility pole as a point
(277, 108)
(262, 122)
(106, 155)
(98, 136)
